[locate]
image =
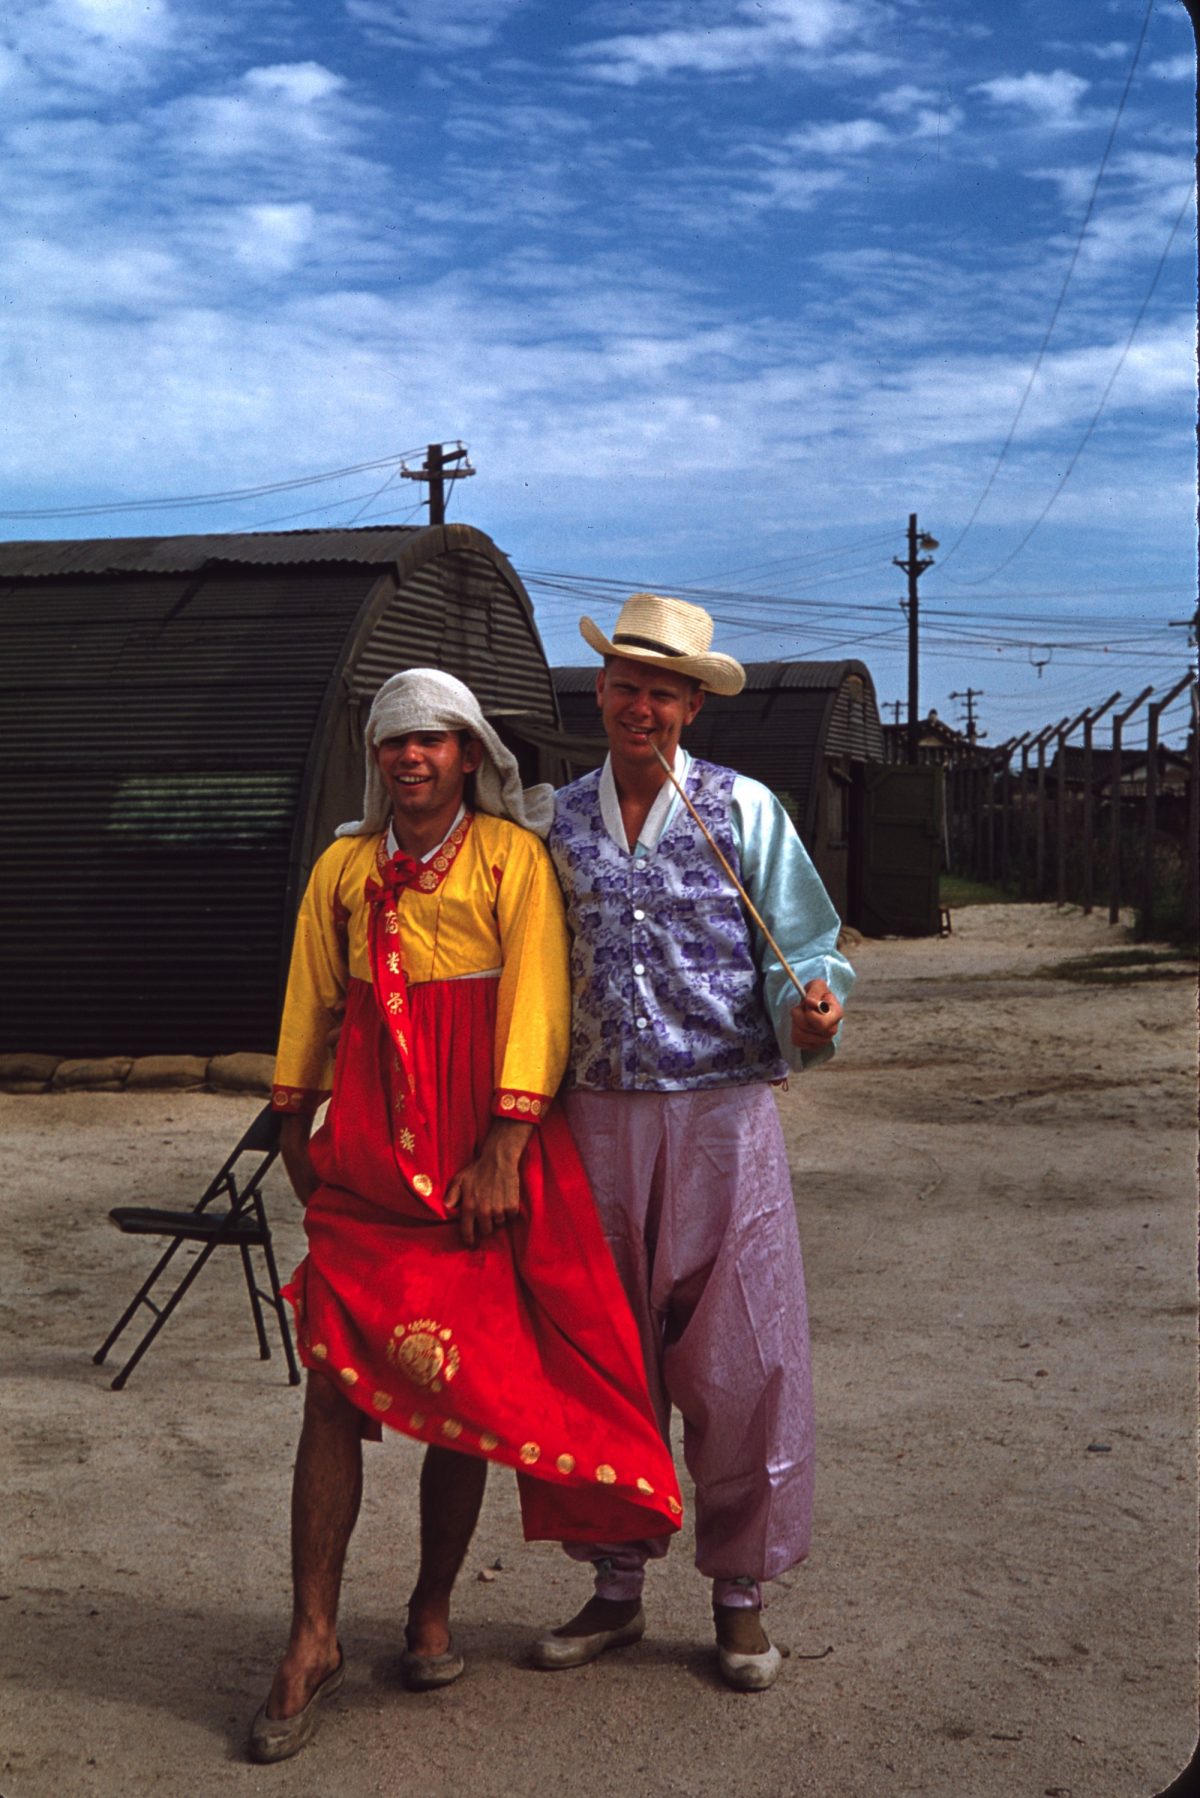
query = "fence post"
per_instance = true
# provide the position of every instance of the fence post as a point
(1006, 752)
(1089, 803)
(1191, 890)
(1039, 891)
(1023, 794)
(1060, 812)
(1114, 819)
(1151, 820)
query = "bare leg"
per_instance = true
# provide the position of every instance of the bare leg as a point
(451, 1494)
(326, 1492)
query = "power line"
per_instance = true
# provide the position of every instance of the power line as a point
(784, 561)
(207, 499)
(780, 612)
(265, 524)
(1058, 304)
(1095, 419)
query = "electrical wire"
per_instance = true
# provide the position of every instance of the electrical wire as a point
(785, 561)
(1095, 419)
(1058, 304)
(208, 499)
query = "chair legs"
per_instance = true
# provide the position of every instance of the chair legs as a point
(277, 1300)
(272, 1296)
(161, 1313)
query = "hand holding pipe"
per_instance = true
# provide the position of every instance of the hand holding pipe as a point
(822, 1005)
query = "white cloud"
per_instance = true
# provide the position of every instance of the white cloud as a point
(1113, 51)
(433, 25)
(51, 48)
(906, 98)
(271, 239)
(1052, 100)
(1138, 203)
(1175, 68)
(767, 32)
(267, 112)
(120, 21)
(845, 137)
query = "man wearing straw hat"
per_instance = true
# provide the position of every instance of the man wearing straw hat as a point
(456, 1288)
(704, 968)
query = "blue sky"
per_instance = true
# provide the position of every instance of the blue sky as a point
(717, 293)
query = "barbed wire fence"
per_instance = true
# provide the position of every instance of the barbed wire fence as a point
(1087, 823)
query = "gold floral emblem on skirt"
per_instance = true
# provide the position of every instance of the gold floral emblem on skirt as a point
(424, 1352)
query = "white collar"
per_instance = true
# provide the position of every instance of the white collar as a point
(657, 818)
(393, 847)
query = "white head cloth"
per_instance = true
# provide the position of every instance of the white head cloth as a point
(427, 699)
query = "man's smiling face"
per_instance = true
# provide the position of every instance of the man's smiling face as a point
(425, 772)
(641, 705)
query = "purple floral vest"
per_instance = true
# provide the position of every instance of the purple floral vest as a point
(665, 992)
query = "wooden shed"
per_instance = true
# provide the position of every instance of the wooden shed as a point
(807, 730)
(181, 731)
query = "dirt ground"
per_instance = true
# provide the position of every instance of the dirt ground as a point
(997, 1197)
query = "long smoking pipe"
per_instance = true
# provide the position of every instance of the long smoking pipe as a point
(822, 1005)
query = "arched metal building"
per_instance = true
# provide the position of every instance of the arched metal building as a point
(180, 732)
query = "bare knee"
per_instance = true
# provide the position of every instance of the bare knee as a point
(325, 1406)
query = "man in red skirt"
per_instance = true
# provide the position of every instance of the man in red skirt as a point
(457, 1286)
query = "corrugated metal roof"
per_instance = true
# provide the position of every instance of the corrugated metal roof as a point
(761, 677)
(369, 546)
(175, 748)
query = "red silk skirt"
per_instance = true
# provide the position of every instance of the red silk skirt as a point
(521, 1350)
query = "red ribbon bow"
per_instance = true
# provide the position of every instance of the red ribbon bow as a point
(400, 873)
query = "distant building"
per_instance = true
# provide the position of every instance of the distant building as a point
(939, 745)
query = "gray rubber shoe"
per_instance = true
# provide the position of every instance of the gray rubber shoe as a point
(425, 1672)
(552, 1651)
(278, 1738)
(747, 1660)
(749, 1672)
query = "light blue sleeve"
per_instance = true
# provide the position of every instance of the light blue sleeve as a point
(787, 890)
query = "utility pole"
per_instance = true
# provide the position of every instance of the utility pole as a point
(914, 568)
(437, 471)
(971, 694)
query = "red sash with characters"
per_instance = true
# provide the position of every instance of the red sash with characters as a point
(396, 875)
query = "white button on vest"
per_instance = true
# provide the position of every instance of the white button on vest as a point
(639, 915)
(643, 1023)
(639, 967)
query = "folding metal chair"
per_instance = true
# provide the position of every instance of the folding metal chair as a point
(242, 1226)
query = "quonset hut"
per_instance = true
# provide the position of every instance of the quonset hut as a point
(181, 731)
(807, 730)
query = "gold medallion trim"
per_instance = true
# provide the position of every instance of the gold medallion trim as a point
(425, 1353)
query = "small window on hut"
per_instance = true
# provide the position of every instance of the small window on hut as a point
(235, 810)
(837, 820)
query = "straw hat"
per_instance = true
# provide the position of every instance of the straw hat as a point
(672, 633)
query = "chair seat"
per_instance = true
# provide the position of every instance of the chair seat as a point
(240, 1224)
(187, 1226)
